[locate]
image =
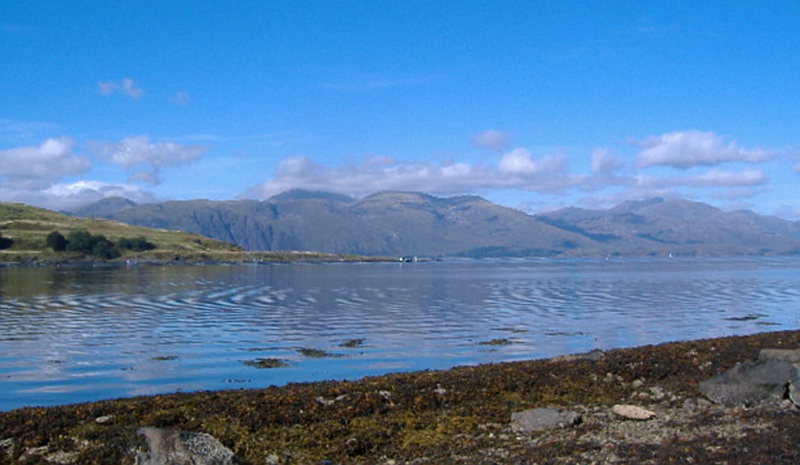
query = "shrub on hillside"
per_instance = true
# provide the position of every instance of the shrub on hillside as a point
(57, 241)
(136, 244)
(97, 245)
(5, 242)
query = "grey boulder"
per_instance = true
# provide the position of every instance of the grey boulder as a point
(770, 380)
(170, 447)
(543, 418)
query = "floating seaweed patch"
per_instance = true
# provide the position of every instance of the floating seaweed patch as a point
(497, 342)
(164, 358)
(748, 317)
(509, 329)
(564, 333)
(315, 353)
(353, 343)
(261, 349)
(266, 363)
(238, 381)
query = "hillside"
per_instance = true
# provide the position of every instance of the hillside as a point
(389, 223)
(408, 223)
(26, 229)
(680, 227)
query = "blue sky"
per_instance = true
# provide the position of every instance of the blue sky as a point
(534, 105)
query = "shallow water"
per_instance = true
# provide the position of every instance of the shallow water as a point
(80, 334)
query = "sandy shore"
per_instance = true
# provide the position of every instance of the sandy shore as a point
(461, 415)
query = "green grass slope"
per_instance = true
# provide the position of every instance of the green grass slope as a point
(28, 228)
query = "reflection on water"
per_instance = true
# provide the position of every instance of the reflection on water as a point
(77, 334)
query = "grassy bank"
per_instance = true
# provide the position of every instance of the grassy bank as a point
(24, 229)
(455, 416)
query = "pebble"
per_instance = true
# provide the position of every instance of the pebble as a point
(632, 412)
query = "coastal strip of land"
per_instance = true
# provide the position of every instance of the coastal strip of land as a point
(641, 405)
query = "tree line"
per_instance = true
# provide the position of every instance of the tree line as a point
(96, 245)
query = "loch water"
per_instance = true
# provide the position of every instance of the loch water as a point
(75, 334)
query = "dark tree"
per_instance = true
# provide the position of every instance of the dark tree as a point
(104, 248)
(84, 242)
(5, 242)
(136, 244)
(79, 241)
(57, 241)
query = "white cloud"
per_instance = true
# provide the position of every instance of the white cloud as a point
(146, 158)
(751, 177)
(685, 149)
(605, 163)
(17, 130)
(125, 86)
(521, 162)
(372, 175)
(712, 178)
(516, 169)
(491, 139)
(65, 197)
(36, 167)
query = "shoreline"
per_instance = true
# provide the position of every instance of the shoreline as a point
(241, 258)
(460, 415)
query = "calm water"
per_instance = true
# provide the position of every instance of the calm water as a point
(71, 335)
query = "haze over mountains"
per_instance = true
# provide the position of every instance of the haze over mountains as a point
(415, 224)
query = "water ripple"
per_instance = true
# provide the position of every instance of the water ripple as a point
(83, 334)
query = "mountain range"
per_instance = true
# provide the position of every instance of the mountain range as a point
(415, 224)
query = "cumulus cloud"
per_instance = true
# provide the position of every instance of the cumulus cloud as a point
(16, 130)
(685, 149)
(517, 169)
(608, 175)
(521, 162)
(69, 196)
(125, 86)
(712, 178)
(39, 166)
(372, 175)
(491, 139)
(145, 158)
(605, 163)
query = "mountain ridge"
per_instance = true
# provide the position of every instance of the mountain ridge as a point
(412, 223)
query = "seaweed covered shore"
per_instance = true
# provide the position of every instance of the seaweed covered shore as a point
(462, 415)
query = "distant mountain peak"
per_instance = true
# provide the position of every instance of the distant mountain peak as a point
(104, 207)
(393, 223)
(306, 194)
(635, 205)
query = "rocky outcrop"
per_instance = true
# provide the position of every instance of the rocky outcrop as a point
(771, 380)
